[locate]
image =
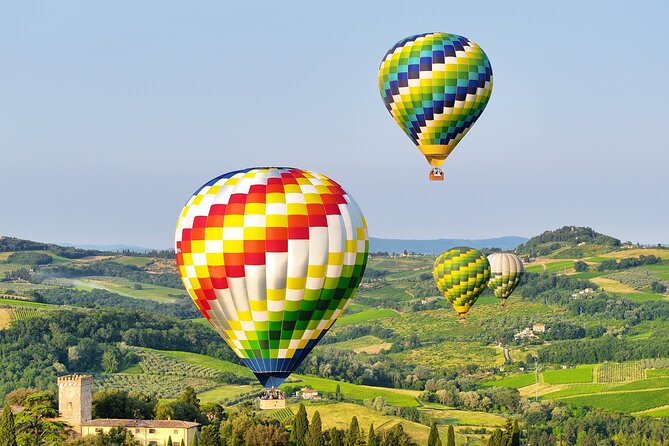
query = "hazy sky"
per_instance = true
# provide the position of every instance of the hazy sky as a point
(113, 113)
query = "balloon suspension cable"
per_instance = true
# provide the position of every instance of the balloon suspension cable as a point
(436, 174)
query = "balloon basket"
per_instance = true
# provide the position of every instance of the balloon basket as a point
(503, 304)
(462, 320)
(436, 174)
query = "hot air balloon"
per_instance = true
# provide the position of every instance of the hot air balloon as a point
(435, 86)
(461, 275)
(271, 257)
(506, 270)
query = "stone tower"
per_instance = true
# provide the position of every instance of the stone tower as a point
(75, 397)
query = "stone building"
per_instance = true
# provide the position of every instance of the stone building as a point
(75, 404)
(75, 399)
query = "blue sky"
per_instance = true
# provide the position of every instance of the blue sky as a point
(112, 114)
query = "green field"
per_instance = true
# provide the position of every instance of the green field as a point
(450, 354)
(659, 412)
(24, 303)
(656, 373)
(126, 287)
(221, 393)
(394, 397)
(395, 293)
(645, 384)
(577, 389)
(362, 344)
(628, 402)
(366, 315)
(206, 361)
(134, 261)
(514, 382)
(580, 374)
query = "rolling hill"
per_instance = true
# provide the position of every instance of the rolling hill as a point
(398, 354)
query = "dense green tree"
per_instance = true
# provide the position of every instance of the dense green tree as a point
(189, 396)
(334, 437)
(115, 403)
(497, 438)
(580, 266)
(450, 436)
(433, 439)
(169, 441)
(35, 425)
(353, 435)
(267, 435)
(315, 434)
(372, 438)
(213, 411)
(515, 434)
(117, 436)
(396, 437)
(300, 427)
(7, 428)
(209, 436)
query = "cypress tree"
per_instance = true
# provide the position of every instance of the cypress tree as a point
(300, 427)
(183, 442)
(497, 438)
(315, 435)
(515, 436)
(7, 429)
(433, 439)
(450, 437)
(338, 395)
(508, 432)
(353, 434)
(169, 441)
(210, 436)
(195, 443)
(372, 439)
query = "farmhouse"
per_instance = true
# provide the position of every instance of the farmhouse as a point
(307, 393)
(75, 401)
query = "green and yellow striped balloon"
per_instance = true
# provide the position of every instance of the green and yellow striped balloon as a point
(461, 275)
(506, 271)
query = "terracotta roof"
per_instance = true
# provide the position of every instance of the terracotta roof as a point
(112, 422)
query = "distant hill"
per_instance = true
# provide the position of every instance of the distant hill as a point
(567, 237)
(110, 248)
(437, 246)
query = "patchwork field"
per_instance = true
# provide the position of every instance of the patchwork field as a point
(125, 287)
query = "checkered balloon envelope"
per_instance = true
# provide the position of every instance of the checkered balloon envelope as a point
(461, 274)
(271, 257)
(435, 86)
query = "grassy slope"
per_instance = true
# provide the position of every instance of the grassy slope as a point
(580, 374)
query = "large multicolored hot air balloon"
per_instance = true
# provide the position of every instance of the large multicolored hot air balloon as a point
(271, 257)
(506, 271)
(435, 86)
(461, 275)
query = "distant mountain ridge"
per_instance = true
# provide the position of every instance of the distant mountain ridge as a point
(436, 246)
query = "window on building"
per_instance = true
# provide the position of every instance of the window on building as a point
(152, 431)
(98, 430)
(137, 431)
(176, 431)
(153, 443)
(176, 443)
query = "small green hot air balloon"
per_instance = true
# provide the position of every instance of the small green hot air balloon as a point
(506, 271)
(461, 275)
